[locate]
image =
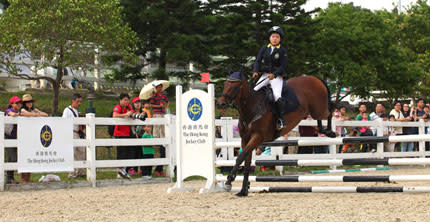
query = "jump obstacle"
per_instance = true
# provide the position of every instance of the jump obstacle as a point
(336, 189)
(350, 170)
(394, 178)
(195, 154)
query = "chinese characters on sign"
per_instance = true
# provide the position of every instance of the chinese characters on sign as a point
(195, 133)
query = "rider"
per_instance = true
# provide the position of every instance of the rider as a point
(271, 62)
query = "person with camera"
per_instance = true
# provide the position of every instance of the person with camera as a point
(123, 110)
(137, 131)
(79, 153)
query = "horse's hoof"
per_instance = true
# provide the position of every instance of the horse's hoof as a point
(241, 194)
(227, 187)
(328, 133)
(331, 134)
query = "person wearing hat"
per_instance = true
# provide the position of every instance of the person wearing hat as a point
(137, 132)
(28, 110)
(271, 64)
(139, 109)
(159, 103)
(11, 133)
(28, 107)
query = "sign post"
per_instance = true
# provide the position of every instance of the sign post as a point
(195, 135)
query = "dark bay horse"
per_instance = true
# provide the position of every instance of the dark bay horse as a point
(257, 124)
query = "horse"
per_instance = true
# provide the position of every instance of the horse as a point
(257, 122)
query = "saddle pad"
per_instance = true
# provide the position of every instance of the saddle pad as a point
(288, 95)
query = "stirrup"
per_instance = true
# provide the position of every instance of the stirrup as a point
(280, 124)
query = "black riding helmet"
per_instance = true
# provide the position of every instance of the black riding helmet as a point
(276, 29)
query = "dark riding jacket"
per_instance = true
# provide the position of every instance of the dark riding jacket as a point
(275, 62)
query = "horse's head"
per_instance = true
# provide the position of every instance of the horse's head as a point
(232, 88)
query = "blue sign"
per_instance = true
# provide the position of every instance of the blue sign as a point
(46, 136)
(194, 109)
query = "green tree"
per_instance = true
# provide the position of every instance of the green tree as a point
(5, 3)
(357, 48)
(416, 37)
(61, 33)
(241, 29)
(397, 70)
(300, 29)
(169, 31)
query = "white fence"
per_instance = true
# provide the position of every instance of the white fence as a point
(227, 125)
(91, 142)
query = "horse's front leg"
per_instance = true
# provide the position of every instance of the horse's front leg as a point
(245, 184)
(253, 143)
(232, 176)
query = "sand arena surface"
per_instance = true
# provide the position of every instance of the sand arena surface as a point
(150, 202)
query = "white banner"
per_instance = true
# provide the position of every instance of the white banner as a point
(45, 144)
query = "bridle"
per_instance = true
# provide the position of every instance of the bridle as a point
(231, 99)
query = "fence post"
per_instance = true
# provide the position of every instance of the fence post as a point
(332, 148)
(422, 145)
(91, 148)
(230, 135)
(380, 132)
(2, 151)
(178, 123)
(225, 137)
(169, 134)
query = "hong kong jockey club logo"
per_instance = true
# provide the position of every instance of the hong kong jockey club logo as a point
(46, 136)
(194, 109)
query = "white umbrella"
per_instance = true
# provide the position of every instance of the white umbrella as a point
(149, 88)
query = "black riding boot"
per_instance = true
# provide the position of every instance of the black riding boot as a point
(280, 122)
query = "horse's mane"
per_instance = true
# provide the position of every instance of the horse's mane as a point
(250, 84)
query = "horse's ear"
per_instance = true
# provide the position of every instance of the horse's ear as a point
(230, 70)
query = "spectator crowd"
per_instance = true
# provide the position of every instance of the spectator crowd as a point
(400, 112)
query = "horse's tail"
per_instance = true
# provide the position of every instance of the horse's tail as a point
(330, 103)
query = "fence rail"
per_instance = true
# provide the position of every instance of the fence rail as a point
(228, 141)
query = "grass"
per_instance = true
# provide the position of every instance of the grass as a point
(102, 103)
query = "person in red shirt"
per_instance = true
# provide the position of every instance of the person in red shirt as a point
(123, 110)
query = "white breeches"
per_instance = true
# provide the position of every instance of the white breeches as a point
(276, 84)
